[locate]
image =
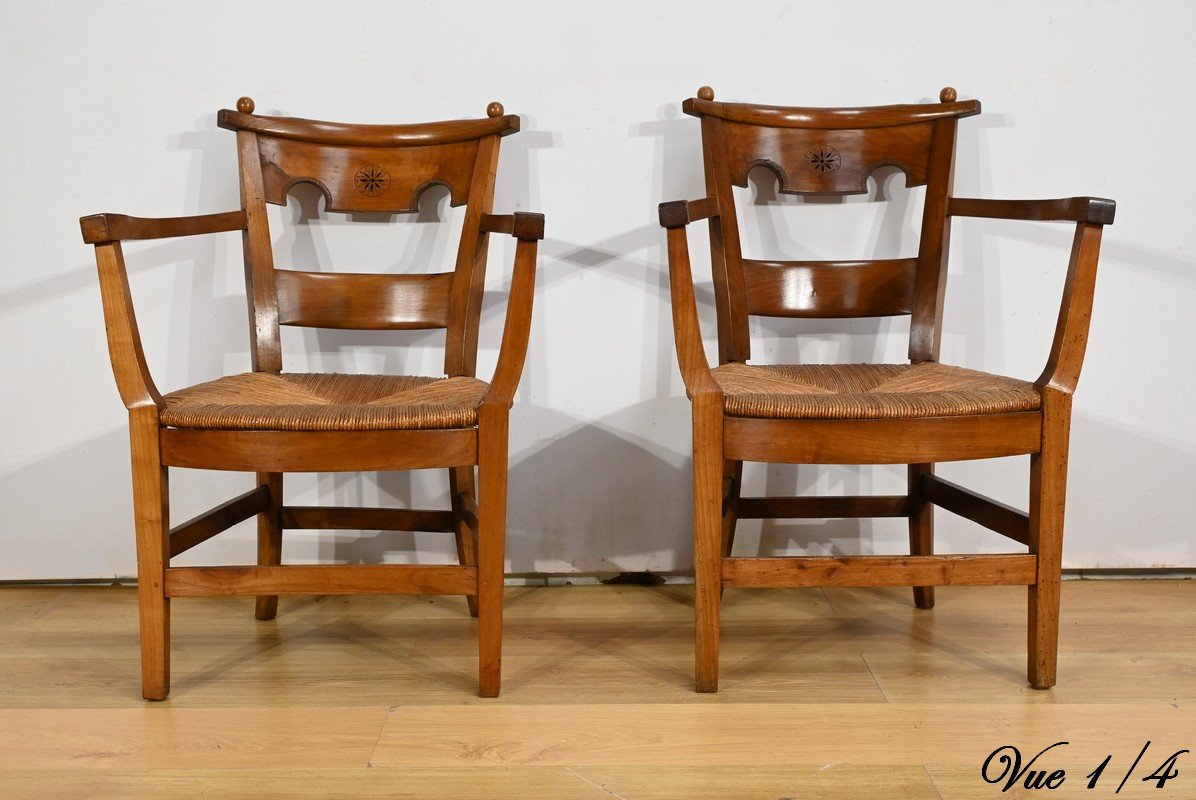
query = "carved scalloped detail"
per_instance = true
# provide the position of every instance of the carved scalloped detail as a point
(771, 166)
(286, 190)
(418, 192)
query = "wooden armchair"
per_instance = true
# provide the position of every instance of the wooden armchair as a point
(917, 413)
(270, 422)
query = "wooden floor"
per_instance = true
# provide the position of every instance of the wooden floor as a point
(843, 693)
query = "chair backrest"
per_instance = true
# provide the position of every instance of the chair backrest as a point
(820, 151)
(378, 168)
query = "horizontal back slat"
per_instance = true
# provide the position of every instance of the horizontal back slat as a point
(877, 288)
(363, 301)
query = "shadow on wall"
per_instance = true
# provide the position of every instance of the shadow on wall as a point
(1134, 481)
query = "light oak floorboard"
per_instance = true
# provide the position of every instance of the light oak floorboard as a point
(823, 694)
(775, 734)
(497, 783)
(195, 737)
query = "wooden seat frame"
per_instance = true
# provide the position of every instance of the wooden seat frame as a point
(379, 168)
(833, 150)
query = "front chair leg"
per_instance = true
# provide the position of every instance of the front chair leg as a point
(1048, 486)
(461, 481)
(921, 528)
(269, 539)
(708, 537)
(151, 508)
(492, 525)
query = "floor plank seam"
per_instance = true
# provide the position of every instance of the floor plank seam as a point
(933, 785)
(830, 603)
(599, 786)
(369, 762)
(879, 688)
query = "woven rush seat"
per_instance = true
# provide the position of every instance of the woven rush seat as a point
(326, 402)
(868, 391)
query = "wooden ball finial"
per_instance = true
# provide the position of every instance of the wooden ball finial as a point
(705, 93)
(948, 95)
(245, 105)
(495, 109)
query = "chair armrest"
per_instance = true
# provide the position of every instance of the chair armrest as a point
(679, 213)
(1091, 214)
(106, 231)
(523, 225)
(687, 330)
(1089, 210)
(528, 229)
(103, 228)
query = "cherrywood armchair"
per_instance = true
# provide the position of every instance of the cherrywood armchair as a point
(270, 422)
(917, 413)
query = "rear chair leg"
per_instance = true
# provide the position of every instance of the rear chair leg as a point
(151, 508)
(708, 537)
(492, 524)
(269, 539)
(921, 528)
(461, 482)
(733, 472)
(1048, 486)
(732, 483)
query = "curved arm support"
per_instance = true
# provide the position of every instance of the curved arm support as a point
(1062, 370)
(687, 331)
(1090, 214)
(517, 328)
(133, 380)
(106, 231)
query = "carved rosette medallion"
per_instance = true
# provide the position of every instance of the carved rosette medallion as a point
(371, 180)
(824, 159)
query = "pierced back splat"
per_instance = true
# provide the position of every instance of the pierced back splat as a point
(366, 168)
(828, 151)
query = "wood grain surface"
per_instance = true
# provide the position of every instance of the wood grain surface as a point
(824, 693)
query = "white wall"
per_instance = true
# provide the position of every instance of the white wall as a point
(111, 107)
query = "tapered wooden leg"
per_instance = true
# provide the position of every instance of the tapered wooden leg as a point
(732, 475)
(921, 528)
(492, 528)
(461, 482)
(1048, 486)
(151, 508)
(708, 536)
(269, 539)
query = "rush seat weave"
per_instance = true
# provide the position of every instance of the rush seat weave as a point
(326, 402)
(868, 391)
